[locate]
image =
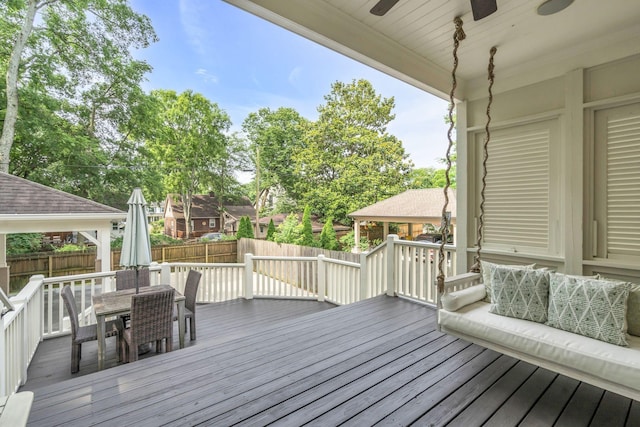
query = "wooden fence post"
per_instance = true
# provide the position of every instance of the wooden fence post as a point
(390, 255)
(322, 278)
(248, 276)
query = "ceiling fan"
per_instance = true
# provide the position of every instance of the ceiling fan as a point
(480, 8)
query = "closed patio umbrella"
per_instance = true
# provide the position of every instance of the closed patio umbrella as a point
(136, 245)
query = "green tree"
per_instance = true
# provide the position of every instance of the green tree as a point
(328, 238)
(76, 53)
(189, 136)
(245, 229)
(349, 160)
(289, 230)
(23, 243)
(306, 230)
(277, 136)
(271, 231)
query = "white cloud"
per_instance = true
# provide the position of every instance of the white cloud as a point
(294, 76)
(206, 76)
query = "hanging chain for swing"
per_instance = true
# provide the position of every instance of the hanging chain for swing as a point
(475, 268)
(458, 36)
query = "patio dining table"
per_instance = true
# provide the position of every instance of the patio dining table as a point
(119, 302)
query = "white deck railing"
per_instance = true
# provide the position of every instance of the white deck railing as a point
(396, 267)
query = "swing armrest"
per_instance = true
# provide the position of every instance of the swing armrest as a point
(461, 281)
(461, 290)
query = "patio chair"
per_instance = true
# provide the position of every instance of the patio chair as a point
(81, 334)
(190, 293)
(126, 279)
(151, 320)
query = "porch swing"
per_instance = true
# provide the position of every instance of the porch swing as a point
(466, 311)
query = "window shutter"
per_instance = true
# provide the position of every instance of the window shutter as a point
(517, 192)
(623, 184)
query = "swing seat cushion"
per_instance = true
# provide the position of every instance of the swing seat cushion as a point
(547, 346)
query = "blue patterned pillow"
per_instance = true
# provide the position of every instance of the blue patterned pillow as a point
(590, 307)
(521, 293)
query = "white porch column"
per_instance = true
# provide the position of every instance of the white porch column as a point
(356, 236)
(103, 252)
(464, 215)
(4, 268)
(385, 230)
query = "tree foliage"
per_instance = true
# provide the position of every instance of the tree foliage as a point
(187, 139)
(276, 136)
(271, 231)
(349, 160)
(245, 229)
(328, 238)
(306, 229)
(78, 88)
(289, 230)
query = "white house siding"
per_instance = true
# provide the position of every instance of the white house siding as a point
(571, 116)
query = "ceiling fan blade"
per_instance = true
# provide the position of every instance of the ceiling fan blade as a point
(382, 7)
(483, 8)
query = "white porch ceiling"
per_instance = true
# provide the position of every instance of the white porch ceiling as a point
(413, 41)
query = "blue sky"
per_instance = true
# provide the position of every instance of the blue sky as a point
(244, 63)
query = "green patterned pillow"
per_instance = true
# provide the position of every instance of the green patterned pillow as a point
(521, 293)
(590, 307)
(487, 271)
(633, 308)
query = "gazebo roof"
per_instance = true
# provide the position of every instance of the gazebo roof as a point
(22, 197)
(26, 206)
(423, 205)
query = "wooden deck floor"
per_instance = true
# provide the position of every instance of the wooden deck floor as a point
(379, 361)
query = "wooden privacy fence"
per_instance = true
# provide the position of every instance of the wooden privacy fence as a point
(295, 274)
(70, 263)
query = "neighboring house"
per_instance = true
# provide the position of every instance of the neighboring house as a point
(155, 211)
(205, 216)
(414, 211)
(233, 213)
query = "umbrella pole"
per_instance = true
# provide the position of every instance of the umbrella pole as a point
(137, 274)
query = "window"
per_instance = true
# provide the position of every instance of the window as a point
(212, 223)
(519, 210)
(616, 197)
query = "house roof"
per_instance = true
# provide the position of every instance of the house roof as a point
(425, 204)
(239, 211)
(29, 207)
(23, 197)
(202, 206)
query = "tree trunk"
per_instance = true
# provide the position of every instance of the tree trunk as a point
(11, 114)
(186, 209)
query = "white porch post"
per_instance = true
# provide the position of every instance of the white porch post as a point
(322, 278)
(356, 236)
(391, 262)
(248, 276)
(103, 254)
(464, 215)
(385, 230)
(4, 268)
(3, 362)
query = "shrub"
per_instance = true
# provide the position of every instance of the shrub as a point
(23, 243)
